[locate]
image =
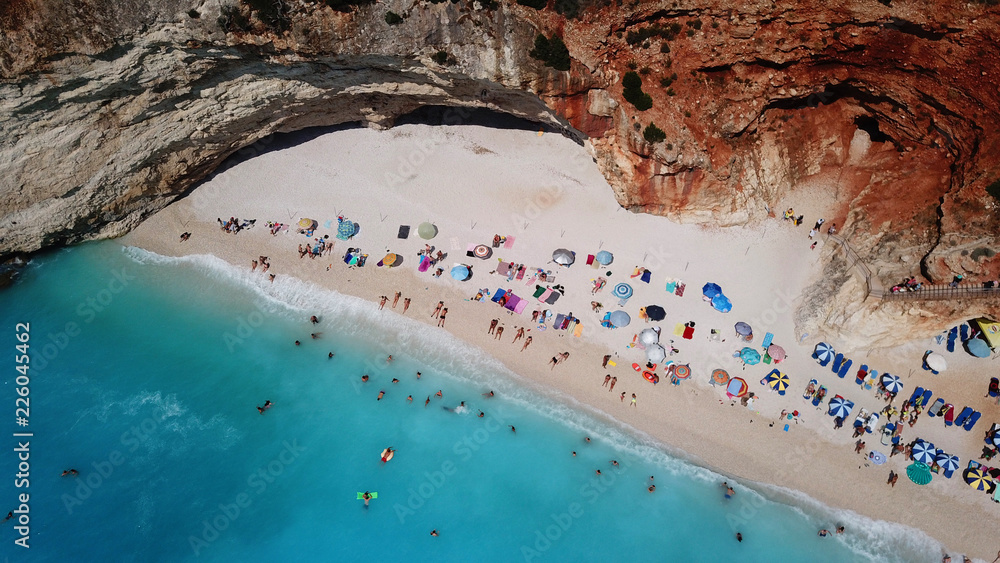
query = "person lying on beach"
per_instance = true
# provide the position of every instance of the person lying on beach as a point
(526, 342)
(185, 236)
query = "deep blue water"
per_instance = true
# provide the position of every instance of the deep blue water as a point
(145, 374)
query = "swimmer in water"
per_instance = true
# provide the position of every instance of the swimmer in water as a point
(267, 405)
(418, 375)
(315, 335)
(598, 472)
(409, 398)
(574, 454)
(314, 320)
(651, 488)
(823, 533)
(297, 343)
(364, 377)
(380, 395)
(367, 496)
(438, 394)
(481, 414)
(70, 472)
(330, 355)
(488, 395)
(739, 537)
(394, 380)
(434, 533)
(614, 462)
(512, 429)
(428, 401)
(389, 359)
(587, 439)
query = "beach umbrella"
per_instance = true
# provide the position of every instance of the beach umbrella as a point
(996, 439)
(737, 387)
(682, 371)
(823, 352)
(722, 304)
(461, 272)
(841, 407)
(389, 260)
(623, 291)
(308, 224)
(604, 258)
(936, 362)
(750, 356)
(649, 337)
(743, 329)
(919, 473)
(619, 319)
(778, 381)
(710, 290)
(563, 257)
(655, 313)
(345, 228)
(977, 347)
(655, 354)
(720, 377)
(482, 251)
(949, 463)
(427, 231)
(924, 452)
(878, 458)
(776, 352)
(892, 383)
(977, 479)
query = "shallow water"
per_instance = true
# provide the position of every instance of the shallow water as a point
(145, 375)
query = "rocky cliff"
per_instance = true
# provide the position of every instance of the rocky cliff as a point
(884, 114)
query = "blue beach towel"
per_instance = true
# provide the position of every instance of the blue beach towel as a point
(963, 416)
(768, 338)
(952, 335)
(837, 361)
(973, 418)
(963, 331)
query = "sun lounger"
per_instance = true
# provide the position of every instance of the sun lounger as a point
(963, 332)
(936, 407)
(859, 378)
(552, 297)
(952, 336)
(768, 338)
(545, 295)
(521, 305)
(844, 368)
(837, 361)
(916, 393)
(806, 394)
(498, 295)
(973, 419)
(871, 422)
(404, 230)
(819, 396)
(963, 416)
(949, 414)
(926, 399)
(887, 431)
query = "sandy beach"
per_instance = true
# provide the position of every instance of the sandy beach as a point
(543, 192)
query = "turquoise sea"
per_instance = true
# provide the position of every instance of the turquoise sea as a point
(145, 375)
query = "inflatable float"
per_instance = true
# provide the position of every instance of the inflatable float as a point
(361, 496)
(651, 377)
(387, 454)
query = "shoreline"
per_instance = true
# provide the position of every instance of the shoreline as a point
(811, 456)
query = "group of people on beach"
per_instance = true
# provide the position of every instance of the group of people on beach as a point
(233, 225)
(497, 332)
(383, 299)
(318, 247)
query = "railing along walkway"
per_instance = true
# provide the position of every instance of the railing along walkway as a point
(874, 288)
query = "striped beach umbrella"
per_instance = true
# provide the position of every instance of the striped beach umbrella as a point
(737, 387)
(750, 356)
(823, 353)
(482, 251)
(892, 383)
(949, 463)
(841, 407)
(777, 381)
(682, 371)
(977, 479)
(924, 452)
(720, 377)
(622, 291)
(996, 439)
(919, 473)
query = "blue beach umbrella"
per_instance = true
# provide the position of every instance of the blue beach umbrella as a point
(722, 304)
(977, 479)
(841, 407)
(949, 463)
(924, 452)
(777, 381)
(892, 383)
(710, 290)
(743, 329)
(622, 290)
(750, 356)
(823, 353)
(461, 272)
(604, 258)
(978, 348)
(619, 319)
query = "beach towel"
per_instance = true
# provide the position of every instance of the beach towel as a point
(973, 418)
(952, 336)
(859, 378)
(671, 285)
(994, 388)
(647, 275)
(679, 329)
(559, 321)
(520, 273)
(949, 414)
(498, 295)
(404, 230)
(545, 295)
(768, 338)
(504, 268)
(470, 250)
(578, 331)
(963, 330)
(845, 368)
(509, 243)
(679, 292)
(512, 302)
(425, 263)
(837, 361)
(963, 416)
(590, 259)
(936, 407)
(539, 290)
(552, 297)
(688, 333)
(521, 305)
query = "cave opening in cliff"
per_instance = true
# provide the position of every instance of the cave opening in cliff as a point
(869, 125)
(448, 115)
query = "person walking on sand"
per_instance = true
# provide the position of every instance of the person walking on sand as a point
(396, 299)
(613, 381)
(623, 397)
(891, 475)
(381, 302)
(253, 265)
(526, 342)
(860, 445)
(633, 399)
(493, 326)
(498, 333)
(607, 379)
(406, 304)
(441, 318)
(607, 358)
(437, 310)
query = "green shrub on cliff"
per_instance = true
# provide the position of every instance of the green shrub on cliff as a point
(994, 189)
(551, 51)
(653, 134)
(536, 4)
(632, 92)
(273, 13)
(232, 19)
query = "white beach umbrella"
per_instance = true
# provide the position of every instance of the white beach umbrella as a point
(649, 336)
(655, 354)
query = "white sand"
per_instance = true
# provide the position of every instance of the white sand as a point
(474, 182)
